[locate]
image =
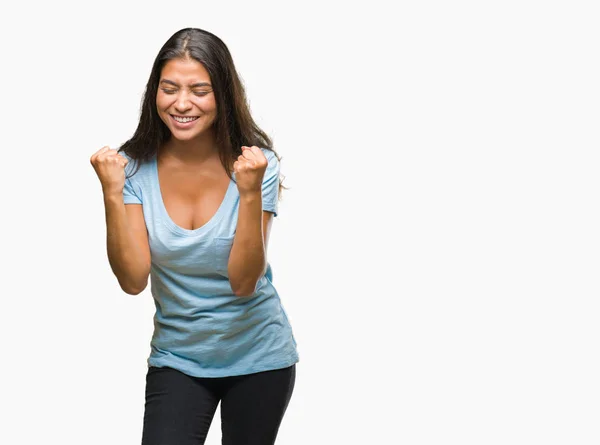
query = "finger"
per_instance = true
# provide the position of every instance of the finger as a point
(256, 151)
(248, 154)
(246, 162)
(107, 154)
(111, 160)
(99, 152)
(259, 156)
(117, 159)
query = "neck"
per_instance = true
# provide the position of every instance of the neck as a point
(195, 151)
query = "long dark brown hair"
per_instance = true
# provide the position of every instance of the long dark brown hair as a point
(233, 125)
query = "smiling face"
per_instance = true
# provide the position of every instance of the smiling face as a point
(185, 100)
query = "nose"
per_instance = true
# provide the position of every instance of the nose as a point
(182, 104)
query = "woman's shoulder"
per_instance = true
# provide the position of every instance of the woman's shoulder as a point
(137, 169)
(268, 152)
(271, 158)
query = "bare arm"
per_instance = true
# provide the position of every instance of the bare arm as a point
(248, 257)
(127, 244)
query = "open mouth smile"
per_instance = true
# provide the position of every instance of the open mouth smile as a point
(184, 121)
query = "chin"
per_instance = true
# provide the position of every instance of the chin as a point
(183, 137)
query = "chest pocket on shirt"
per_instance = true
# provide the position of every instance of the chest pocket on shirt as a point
(222, 250)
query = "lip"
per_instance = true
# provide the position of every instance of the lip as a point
(185, 125)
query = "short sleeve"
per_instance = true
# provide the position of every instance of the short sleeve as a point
(132, 193)
(270, 185)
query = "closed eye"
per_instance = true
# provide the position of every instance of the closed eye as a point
(197, 93)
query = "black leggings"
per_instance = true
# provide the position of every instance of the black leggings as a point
(179, 408)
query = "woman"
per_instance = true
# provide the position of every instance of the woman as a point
(194, 215)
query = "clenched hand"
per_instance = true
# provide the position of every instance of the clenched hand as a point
(110, 168)
(249, 170)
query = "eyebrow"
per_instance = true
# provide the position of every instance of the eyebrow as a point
(194, 85)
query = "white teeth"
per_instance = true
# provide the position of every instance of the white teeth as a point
(184, 119)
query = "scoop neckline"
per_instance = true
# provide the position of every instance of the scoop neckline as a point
(181, 230)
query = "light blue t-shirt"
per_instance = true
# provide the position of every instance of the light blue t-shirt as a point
(200, 326)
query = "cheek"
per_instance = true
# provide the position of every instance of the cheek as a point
(208, 106)
(161, 103)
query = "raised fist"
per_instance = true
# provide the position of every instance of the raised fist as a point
(110, 168)
(249, 170)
